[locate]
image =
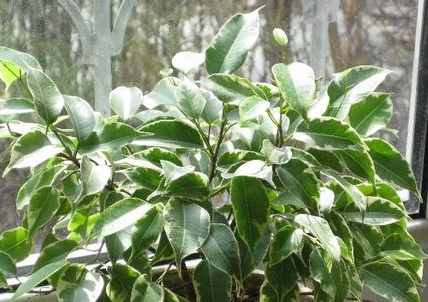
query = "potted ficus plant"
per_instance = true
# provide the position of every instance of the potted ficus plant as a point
(238, 191)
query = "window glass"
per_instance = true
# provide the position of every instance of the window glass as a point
(330, 35)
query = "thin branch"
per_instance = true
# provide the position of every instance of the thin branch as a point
(120, 23)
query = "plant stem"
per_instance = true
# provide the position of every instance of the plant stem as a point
(190, 291)
(214, 158)
(280, 132)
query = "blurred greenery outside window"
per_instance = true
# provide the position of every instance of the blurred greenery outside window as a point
(329, 35)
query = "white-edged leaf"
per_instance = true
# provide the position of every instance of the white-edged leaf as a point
(190, 99)
(94, 177)
(252, 107)
(211, 283)
(81, 115)
(147, 291)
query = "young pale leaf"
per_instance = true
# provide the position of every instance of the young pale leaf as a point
(170, 133)
(297, 85)
(125, 101)
(36, 278)
(112, 136)
(280, 37)
(250, 205)
(121, 283)
(221, 249)
(81, 115)
(320, 228)
(31, 150)
(77, 284)
(274, 155)
(187, 60)
(213, 107)
(286, 241)
(371, 114)
(391, 166)
(190, 99)
(42, 208)
(94, 177)
(328, 134)
(252, 107)
(14, 63)
(300, 184)
(55, 252)
(11, 107)
(48, 100)
(351, 86)
(230, 88)
(211, 283)
(253, 168)
(187, 227)
(162, 94)
(229, 48)
(119, 216)
(173, 172)
(389, 281)
(15, 243)
(403, 248)
(146, 291)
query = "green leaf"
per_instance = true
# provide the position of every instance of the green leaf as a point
(190, 99)
(173, 172)
(42, 208)
(297, 85)
(94, 177)
(125, 101)
(252, 107)
(36, 278)
(112, 136)
(48, 100)
(15, 243)
(389, 281)
(192, 186)
(351, 86)
(403, 248)
(286, 241)
(274, 155)
(31, 150)
(119, 216)
(221, 249)
(187, 60)
(320, 228)
(282, 280)
(147, 230)
(170, 133)
(253, 168)
(12, 107)
(391, 166)
(229, 48)
(121, 283)
(250, 205)
(144, 177)
(328, 134)
(146, 291)
(213, 107)
(7, 264)
(230, 88)
(280, 37)
(321, 273)
(187, 227)
(371, 114)
(300, 183)
(118, 243)
(81, 115)
(162, 94)
(358, 162)
(55, 252)
(13, 63)
(77, 284)
(211, 283)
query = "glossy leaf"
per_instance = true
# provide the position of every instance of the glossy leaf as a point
(221, 249)
(281, 281)
(55, 252)
(280, 37)
(228, 49)
(36, 278)
(173, 172)
(297, 85)
(125, 101)
(119, 216)
(320, 228)
(118, 243)
(371, 114)
(390, 165)
(48, 100)
(42, 208)
(187, 227)
(81, 115)
(274, 155)
(403, 248)
(286, 241)
(78, 284)
(328, 134)
(213, 107)
(359, 163)
(12, 107)
(351, 86)
(112, 136)
(94, 177)
(15, 243)
(7, 264)
(211, 283)
(31, 150)
(170, 133)
(187, 60)
(192, 186)
(146, 291)
(389, 281)
(121, 283)
(253, 168)
(250, 205)
(252, 107)
(162, 94)
(190, 99)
